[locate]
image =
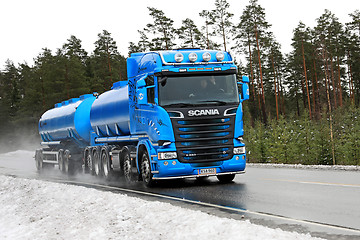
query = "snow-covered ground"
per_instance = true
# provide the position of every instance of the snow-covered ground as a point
(35, 209)
(314, 167)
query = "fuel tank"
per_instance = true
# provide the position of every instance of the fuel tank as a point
(68, 120)
(109, 115)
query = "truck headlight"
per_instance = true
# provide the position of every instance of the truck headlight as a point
(167, 155)
(239, 150)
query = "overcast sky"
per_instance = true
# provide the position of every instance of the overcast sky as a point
(27, 26)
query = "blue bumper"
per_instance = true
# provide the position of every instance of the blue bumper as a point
(172, 169)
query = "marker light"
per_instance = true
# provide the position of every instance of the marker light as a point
(206, 56)
(239, 150)
(220, 56)
(179, 57)
(192, 57)
(166, 155)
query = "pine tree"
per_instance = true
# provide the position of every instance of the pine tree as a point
(353, 55)
(162, 28)
(190, 34)
(253, 23)
(222, 20)
(207, 33)
(143, 45)
(73, 58)
(106, 64)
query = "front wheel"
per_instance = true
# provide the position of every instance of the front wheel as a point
(146, 171)
(226, 178)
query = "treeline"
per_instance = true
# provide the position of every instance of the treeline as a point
(26, 92)
(303, 106)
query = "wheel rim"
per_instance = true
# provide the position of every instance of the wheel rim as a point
(127, 168)
(89, 162)
(96, 165)
(66, 164)
(39, 162)
(105, 164)
(61, 162)
(145, 169)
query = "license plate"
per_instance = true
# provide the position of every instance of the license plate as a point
(206, 171)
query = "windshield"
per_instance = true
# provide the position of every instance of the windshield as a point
(197, 90)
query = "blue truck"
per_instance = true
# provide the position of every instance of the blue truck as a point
(179, 115)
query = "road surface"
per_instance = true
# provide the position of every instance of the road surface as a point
(325, 203)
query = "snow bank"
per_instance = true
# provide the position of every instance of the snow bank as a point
(300, 166)
(33, 209)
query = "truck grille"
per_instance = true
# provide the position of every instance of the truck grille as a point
(204, 140)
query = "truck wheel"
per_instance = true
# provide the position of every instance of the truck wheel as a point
(106, 164)
(97, 162)
(89, 163)
(61, 160)
(226, 178)
(127, 168)
(39, 160)
(146, 171)
(67, 163)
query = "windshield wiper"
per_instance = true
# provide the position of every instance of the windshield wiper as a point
(179, 105)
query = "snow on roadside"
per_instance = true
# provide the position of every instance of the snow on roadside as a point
(300, 166)
(34, 209)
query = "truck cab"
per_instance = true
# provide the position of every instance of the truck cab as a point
(187, 105)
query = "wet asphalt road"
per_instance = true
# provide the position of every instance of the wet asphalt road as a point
(325, 203)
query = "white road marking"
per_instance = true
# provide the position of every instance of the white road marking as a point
(318, 183)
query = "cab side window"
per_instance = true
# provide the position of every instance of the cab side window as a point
(150, 89)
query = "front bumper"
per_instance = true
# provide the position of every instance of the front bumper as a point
(174, 169)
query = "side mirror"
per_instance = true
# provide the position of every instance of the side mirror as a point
(245, 92)
(245, 79)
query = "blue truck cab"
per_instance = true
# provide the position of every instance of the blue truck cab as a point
(178, 115)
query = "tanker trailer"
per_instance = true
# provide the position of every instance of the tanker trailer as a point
(179, 115)
(65, 130)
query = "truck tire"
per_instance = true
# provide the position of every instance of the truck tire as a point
(226, 178)
(89, 162)
(61, 160)
(108, 172)
(127, 167)
(39, 160)
(146, 170)
(97, 162)
(68, 165)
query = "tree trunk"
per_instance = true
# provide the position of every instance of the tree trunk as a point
(329, 106)
(251, 70)
(67, 85)
(333, 82)
(339, 82)
(276, 97)
(261, 77)
(351, 85)
(306, 82)
(109, 65)
(317, 89)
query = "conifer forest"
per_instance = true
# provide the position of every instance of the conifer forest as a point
(304, 105)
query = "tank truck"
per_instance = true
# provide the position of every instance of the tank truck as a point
(179, 115)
